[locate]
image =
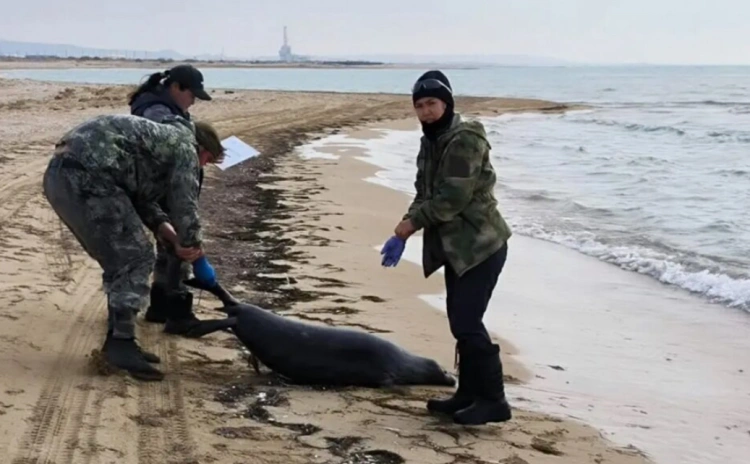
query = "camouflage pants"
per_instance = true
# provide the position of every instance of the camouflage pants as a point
(105, 223)
(166, 260)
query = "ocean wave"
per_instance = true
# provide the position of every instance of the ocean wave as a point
(707, 102)
(730, 136)
(631, 126)
(538, 197)
(721, 103)
(716, 286)
(719, 226)
(648, 160)
(559, 205)
(671, 104)
(733, 172)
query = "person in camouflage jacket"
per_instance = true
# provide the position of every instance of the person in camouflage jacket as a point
(164, 95)
(105, 181)
(465, 233)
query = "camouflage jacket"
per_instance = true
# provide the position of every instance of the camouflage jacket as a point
(455, 203)
(149, 161)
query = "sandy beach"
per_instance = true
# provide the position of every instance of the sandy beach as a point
(294, 235)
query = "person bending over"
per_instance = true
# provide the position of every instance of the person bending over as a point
(104, 181)
(463, 232)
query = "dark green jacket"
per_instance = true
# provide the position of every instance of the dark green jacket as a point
(455, 203)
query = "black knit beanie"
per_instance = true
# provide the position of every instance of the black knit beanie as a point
(423, 88)
(442, 93)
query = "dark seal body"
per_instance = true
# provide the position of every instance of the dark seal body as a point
(319, 355)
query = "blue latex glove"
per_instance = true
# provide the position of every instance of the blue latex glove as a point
(392, 251)
(204, 272)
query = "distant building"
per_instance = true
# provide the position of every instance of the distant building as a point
(285, 52)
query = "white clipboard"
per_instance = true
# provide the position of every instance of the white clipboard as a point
(236, 151)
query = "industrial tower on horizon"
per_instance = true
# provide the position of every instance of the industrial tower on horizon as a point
(285, 52)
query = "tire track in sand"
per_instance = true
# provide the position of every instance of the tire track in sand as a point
(53, 433)
(164, 433)
(20, 186)
(69, 411)
(54, 428)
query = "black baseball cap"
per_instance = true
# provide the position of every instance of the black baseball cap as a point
(190, 78)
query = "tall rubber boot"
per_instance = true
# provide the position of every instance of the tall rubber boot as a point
(464, 395)
(490, 405)
(124, 353)
(158, 307)
(182, 319)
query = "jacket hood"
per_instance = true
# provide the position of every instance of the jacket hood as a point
(159, 96)
(459, 124)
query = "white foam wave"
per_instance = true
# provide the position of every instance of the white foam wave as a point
(322, 147)
(719, 288)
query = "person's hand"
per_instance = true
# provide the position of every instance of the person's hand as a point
(392, 251)
(166, 234)
(404, 229)
(188, 254)
(204, 272)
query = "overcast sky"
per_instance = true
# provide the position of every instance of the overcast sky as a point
(663, 31)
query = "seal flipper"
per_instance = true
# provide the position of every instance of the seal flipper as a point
(206, 327)
(217, 290)
(253, 360)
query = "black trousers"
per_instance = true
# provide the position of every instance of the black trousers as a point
(467, 300)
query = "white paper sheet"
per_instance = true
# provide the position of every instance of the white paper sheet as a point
(236, 152)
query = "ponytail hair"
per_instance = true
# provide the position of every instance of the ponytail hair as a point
(151, 84)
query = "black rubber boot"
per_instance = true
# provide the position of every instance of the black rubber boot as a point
(158, 307)
(181, 318)
(127, 355)
(490, 404)
(464, 395)
(147, 355)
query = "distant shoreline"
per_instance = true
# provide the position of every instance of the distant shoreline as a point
(88, 63)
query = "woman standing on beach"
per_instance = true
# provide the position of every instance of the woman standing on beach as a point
(465, 233)
(162, 96)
